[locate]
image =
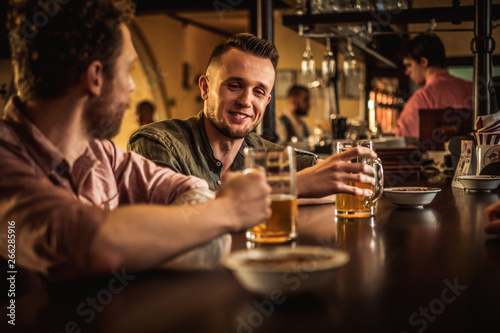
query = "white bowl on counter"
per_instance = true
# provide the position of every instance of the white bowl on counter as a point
(480, 182)
(413, 196)
(287, 270)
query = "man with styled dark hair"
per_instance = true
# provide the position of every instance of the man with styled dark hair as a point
(80, 205)
(425, 62)
(291, 126)
(247, 43)
(236, 90)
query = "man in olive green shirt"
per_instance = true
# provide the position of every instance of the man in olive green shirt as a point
(183, 146)
(236, 89)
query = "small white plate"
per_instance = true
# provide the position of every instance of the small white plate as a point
(480, 182)
(294, 270)
(414, 196)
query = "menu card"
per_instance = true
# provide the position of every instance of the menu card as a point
(467, 164)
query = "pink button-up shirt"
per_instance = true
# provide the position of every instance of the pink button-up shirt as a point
(441, 90)
(58, 208)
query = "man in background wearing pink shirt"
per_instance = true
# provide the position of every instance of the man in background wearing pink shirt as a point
(424, 59)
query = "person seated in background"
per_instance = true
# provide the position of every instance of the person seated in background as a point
(425, 61)
(236, 89)
(145, 111)
(80, 205)
(291, 127)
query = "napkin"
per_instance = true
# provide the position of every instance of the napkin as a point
(488, 140)
(488, 122)
(488, 129)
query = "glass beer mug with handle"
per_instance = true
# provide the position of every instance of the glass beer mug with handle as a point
(278, 163)
(352, 206)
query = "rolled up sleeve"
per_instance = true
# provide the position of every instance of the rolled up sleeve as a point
(140, 180)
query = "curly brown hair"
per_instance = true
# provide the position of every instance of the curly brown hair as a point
(53, 42)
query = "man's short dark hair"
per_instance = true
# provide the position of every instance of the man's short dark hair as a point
(247, 43)
(296, 90)
(53, 42)
(426, 45)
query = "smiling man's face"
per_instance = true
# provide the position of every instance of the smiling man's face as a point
(236, 90)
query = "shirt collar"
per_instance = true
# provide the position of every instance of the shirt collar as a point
(243, 145)
(199, 130)
(434, 76)
(43, 151)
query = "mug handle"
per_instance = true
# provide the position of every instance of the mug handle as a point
(379, 183)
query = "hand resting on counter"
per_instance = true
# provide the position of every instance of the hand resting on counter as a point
(493, 219)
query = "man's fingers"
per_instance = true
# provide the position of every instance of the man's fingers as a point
(359, 168)
(493, 212)
(356, 152)
(492, 227)
(361, 173)
(362, 192)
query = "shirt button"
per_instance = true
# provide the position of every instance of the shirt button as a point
(218, 164)
(218, 182)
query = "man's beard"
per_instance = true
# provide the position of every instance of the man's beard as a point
(224, 129)
(103, 119)
(300, 111)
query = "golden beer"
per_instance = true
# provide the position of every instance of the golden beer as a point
(281, 226)
(348, 205)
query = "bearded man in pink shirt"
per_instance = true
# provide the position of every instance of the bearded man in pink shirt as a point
(424, 59)
(73, 203)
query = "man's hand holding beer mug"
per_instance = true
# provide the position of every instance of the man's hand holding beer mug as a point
(278, 164)
(361, 203)
(331, 175)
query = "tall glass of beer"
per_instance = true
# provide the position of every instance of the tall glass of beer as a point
(278, 163)
(352, 206)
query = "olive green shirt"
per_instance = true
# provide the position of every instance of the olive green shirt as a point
(183, 146)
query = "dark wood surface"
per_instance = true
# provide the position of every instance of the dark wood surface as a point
(411, 270)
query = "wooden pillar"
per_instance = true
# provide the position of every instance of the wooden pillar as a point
(482, 47)
(265, 30)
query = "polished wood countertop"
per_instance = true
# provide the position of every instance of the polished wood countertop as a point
(411, 270)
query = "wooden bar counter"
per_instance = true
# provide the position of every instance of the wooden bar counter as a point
(411, 270)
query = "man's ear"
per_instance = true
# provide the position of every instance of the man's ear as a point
(92, 78)
(268, 99)
(203, 84)
(424, 62)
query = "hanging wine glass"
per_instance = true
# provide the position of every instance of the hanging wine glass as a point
(331, 6)
(308, 66)
(362, 5)
(328, 66)
(301, 8)
(349, 60)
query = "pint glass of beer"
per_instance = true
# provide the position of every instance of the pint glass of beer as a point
(278, 163)
(352, 206)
